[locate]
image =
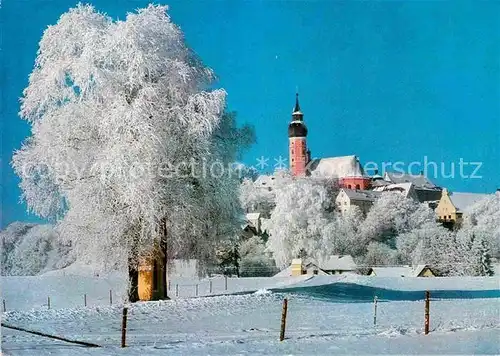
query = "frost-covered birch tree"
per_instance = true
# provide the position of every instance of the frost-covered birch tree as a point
(120, 114)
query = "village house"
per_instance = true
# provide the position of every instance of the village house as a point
(363, 199)
(403, 271)
(425, 190)
(332, 265)
(452, 206)
(254, 220)
(406, 189)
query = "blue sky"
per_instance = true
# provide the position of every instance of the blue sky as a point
(387, 81)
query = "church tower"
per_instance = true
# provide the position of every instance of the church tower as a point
(297, 132)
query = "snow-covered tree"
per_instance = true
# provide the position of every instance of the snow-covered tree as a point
(255, 198)
(484, 218)
(255, 261)
(379, 254)
(429, 244)
(303, 210)
(121, 120)
(30, 249)
(474, 252)
(392, 214)
(341, 235)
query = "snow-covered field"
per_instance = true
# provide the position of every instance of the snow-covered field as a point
(249, 323)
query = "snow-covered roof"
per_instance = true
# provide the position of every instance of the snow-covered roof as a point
(380, 183)
(287, 272)
(337, 167)
(337, 263)
(417, 270)
(362, 195)
(407, 189)
(392, 271)
(403, 271)
(419, 181)
(463, 201)
(315, 269)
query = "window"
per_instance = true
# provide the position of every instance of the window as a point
(292, 151)
(449, 216)
(357, 186)
(340, 272)
(349, 186)
(315, 271)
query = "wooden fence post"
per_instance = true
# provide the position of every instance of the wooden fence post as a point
(169, 285)
(85, 299)
(427, 310)
(124, 325)
(225, 282)
(176, 290)
(110, 297)
(196, 290)
(283, 319)
(4, 309)
(375, 310)
(48, 302)
(210, 286)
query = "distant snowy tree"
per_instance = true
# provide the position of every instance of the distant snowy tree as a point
(255, 261)
(379, 254)
(303, 209)
(393, 214)
(482, 251)
(342, 234)
(430, 244)
(255, 198)
(474, 252)
(484, 218)
(120, 115)
(31, 249)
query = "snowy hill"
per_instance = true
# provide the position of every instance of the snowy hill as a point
(31, 249)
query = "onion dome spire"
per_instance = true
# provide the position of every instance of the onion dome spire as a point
(297, 128)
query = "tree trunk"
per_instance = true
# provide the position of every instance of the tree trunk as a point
(133, 280)
(163, 247)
